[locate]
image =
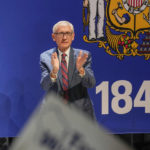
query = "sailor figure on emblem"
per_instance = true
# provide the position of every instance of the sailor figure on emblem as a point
(96, 19)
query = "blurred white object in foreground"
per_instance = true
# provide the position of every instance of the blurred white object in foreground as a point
(55, 126)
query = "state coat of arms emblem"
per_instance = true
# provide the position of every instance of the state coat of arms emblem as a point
(122, 27)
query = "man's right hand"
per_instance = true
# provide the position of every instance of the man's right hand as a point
(55, 63)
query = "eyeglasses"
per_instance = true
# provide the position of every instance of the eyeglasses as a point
(62, 34)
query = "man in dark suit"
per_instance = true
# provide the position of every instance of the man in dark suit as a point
(66, 70)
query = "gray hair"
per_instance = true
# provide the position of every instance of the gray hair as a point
(62, 23)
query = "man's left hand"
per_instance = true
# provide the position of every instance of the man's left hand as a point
(81, 59)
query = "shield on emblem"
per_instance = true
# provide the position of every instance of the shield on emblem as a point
(135, 6)
(135, 12)
(135, 3)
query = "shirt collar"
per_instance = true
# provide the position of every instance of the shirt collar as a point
(66, 52)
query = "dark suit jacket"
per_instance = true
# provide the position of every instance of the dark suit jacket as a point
(78, 94)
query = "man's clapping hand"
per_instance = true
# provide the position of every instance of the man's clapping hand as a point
(80, 61)
(55, 63)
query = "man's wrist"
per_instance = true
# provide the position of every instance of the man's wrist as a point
(81, 71)
(53, 75)
(54, 71)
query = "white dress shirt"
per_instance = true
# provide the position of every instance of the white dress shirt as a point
(67, 55)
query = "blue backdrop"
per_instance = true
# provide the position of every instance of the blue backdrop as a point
(25, 32)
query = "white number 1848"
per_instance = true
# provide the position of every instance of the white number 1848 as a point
(103, 88)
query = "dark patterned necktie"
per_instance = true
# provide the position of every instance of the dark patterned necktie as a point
(64, 71)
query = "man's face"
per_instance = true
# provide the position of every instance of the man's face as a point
(63, 37)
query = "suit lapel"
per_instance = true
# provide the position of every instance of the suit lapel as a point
(71, 66)
(59, 72)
